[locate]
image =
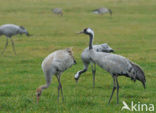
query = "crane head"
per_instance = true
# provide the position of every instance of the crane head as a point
(140, 75)
(24, 31)
(77, 75)
(110, 12)
(105, 48)
(87, 31)
(76, 79)
(28, 34)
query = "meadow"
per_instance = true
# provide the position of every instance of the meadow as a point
(131, 32)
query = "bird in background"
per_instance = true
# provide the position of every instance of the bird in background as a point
(58, 11)
(10, 30)
(55, 64)
(102, 11)
(116, 65)
(86, 59)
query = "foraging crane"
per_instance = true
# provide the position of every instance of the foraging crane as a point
(102, 11)
(10, 30)
(86, 59)
(116, 65)
(58, 11)
(54, 64)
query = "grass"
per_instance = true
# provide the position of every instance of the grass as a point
(130, 32)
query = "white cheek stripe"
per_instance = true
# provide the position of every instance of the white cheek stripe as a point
(77, 74)
(89, 30)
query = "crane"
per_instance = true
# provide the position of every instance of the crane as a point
(10, 30)
(55, 64)
(116, 65)
(86, 59)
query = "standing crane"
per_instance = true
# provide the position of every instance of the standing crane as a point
(116, 65)
(10, 30)
(102, 11)
(54, 64)
(86, 59)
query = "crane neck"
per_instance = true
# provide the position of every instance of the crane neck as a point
(91, 41)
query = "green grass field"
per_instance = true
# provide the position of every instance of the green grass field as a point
(131, 32)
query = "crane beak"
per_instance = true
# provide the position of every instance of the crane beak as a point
(76, 79)
(143, 83)
(38, 97)
(38, 94)
(80, 32)
(112, 51)
(28, 34)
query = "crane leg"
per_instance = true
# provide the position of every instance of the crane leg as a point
(117, 90)
(13, 46)
(93, 72)
(114, 82)
(62, 92)
(60, 87)
(6, 44)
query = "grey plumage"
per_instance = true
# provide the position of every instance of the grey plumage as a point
(55, 64)
(10, 30)
(58, 11)
(102, 11)
(116, 65)
(86, 59)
